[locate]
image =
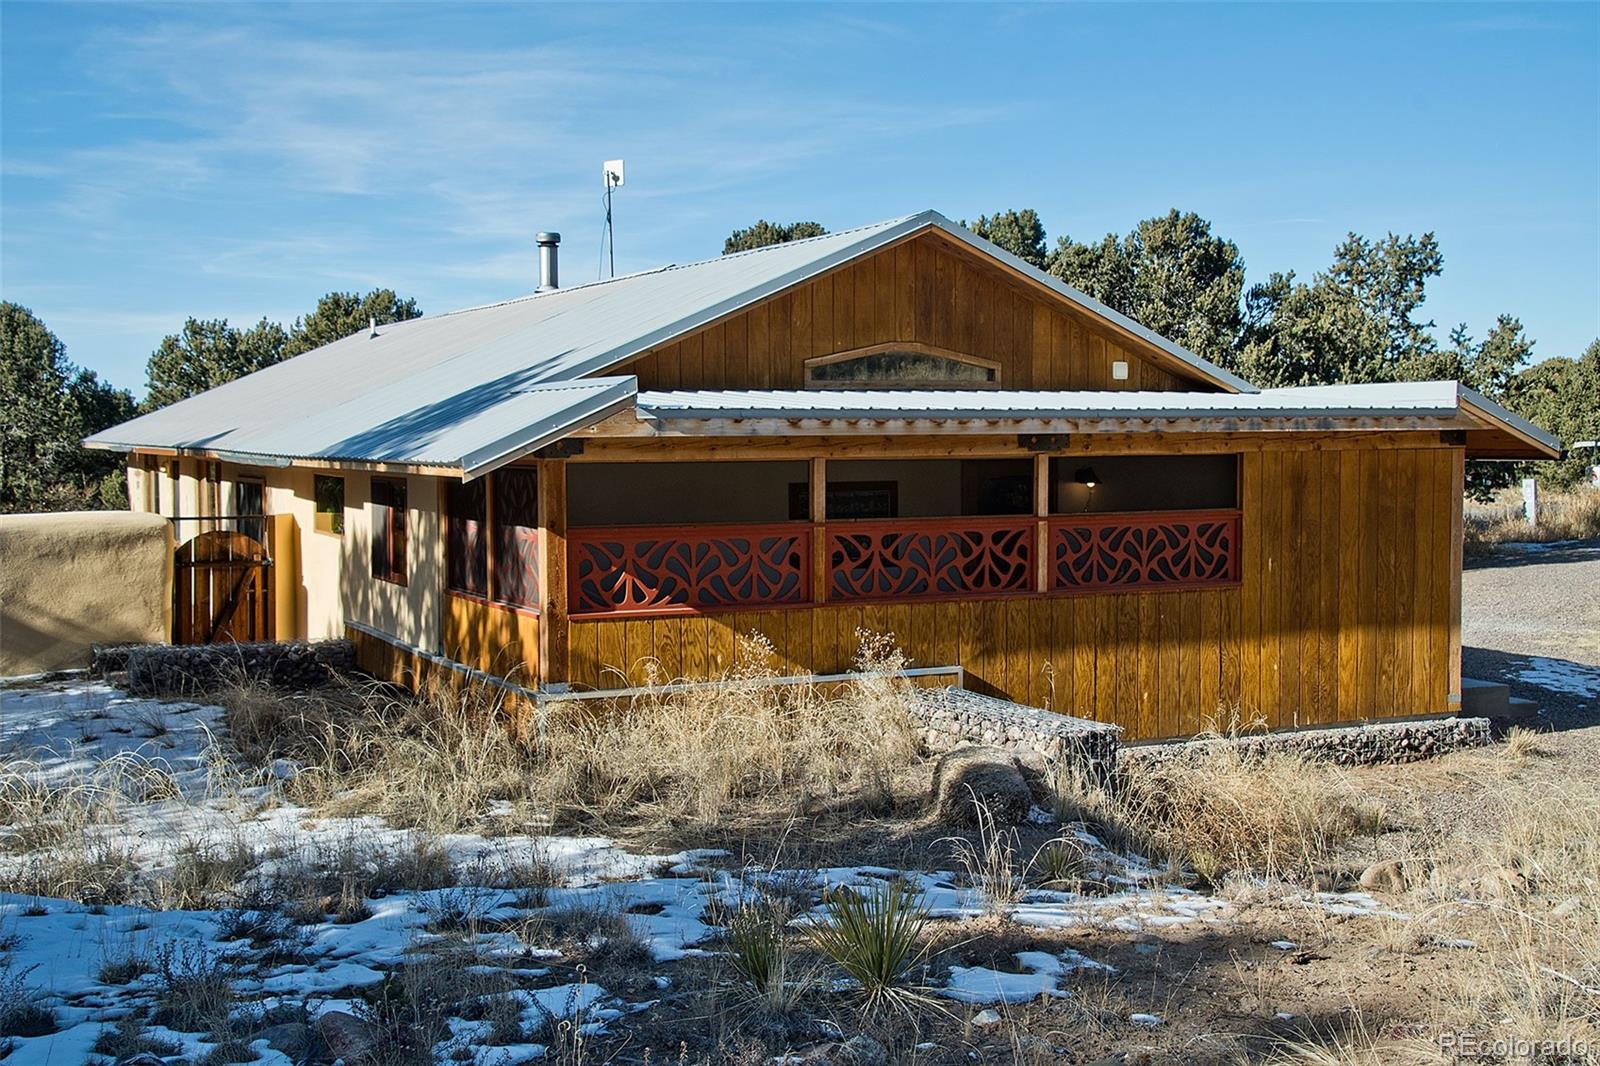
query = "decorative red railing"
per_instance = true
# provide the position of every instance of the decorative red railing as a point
(922, 558)
(666, 569)
(1182, 549)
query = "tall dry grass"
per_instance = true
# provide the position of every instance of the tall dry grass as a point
(1567, 516)
(1221, 810)
(672, 753)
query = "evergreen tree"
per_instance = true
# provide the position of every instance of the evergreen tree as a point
(765, 233)
(1169, 274)
(205, 354)
(1018, 232)
(47, 406)
(339, 314)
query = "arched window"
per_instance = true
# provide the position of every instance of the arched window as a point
(901, 365)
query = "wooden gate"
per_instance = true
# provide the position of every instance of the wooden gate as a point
(222, 589)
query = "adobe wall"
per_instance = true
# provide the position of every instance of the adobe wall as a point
(79, 578)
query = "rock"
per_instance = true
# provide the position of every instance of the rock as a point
(1386, 876)
(348, 1037)
(987, 1018)
(1145, 1021)
(862, 1050)
(969, 777)
(294, 1039)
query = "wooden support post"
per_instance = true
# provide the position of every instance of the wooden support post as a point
(554, 659)
(285, 577)
(818, 497)
(1041, 510)
(1458, 488)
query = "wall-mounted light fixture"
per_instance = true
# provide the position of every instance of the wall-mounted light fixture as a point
(1085, 476)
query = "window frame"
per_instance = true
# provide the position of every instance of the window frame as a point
(910, 348)
(397, 519)
(499, 542)
(453, 490)
(334, 524)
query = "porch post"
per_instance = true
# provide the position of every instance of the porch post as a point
(554, 662)
(1041, 511)
(1458, 489)
(818, 495)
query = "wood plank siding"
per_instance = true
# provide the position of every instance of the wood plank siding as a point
(1346, 610)
(927, 290)
(492, 637)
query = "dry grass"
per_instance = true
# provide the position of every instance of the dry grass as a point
(1574, 516)
(671, 755)
(1220, 810)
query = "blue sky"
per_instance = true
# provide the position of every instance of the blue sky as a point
(236, 161)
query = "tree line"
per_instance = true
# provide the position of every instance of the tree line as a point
(1358, 320)
(49, 404)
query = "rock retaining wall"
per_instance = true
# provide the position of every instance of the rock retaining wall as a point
(171, 669)
(1356, 745)
(953, 717)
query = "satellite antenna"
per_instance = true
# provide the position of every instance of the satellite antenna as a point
(611, 172)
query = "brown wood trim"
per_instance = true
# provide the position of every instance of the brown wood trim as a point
(1458, 470)
(818, 473)
(1041, 511)
(554, 651)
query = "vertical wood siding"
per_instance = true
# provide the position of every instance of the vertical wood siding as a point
(923, 291)
(1343, 613)
(492, 638)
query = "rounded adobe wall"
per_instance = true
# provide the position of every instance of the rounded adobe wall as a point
(78, 578)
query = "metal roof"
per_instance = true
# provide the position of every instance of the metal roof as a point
(1441, 399)
(358, 397)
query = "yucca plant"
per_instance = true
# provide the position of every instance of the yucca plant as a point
(875, 937)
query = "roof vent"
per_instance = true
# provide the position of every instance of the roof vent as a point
(548, 245)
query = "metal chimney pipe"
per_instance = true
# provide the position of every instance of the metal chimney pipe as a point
(549, 243)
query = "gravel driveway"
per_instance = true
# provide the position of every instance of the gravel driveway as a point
(1531, 618)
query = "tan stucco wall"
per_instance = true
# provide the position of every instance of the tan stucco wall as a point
(79, 578)
(335, 581)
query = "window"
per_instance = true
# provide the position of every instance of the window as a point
(516, 537)
(328, 493)
(466, 539)
(902, 366)
(249, 504)
(389, 529)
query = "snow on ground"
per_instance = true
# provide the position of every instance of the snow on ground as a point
(1562, 676)
(64, 733)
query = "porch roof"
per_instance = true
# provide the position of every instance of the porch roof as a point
(1492, 430)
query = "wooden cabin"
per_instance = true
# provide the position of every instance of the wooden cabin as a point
(896, 429)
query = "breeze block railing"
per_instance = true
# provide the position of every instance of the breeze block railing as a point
(674, 569)
(653, 570)
(923, 558)
(1119, 552)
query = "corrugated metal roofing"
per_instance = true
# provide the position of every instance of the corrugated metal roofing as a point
(358, 397)
(1442, 399)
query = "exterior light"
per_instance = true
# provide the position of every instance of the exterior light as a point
(1085, 476)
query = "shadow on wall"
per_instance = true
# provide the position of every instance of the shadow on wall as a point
(75, 579)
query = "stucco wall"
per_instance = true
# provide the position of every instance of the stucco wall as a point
(79, 578)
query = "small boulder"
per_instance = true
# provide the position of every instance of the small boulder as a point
(862, 1050)
(348, 1037)
(987, 1018)
(967, 778)
(294, 1039)
(1386, 876)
